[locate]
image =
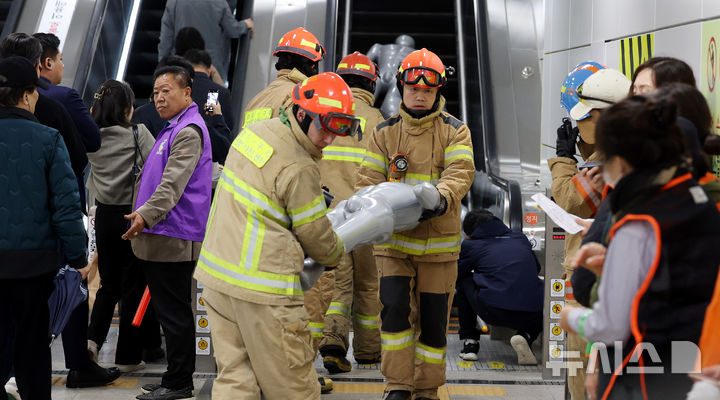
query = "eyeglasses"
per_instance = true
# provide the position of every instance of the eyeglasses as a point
(413, 76)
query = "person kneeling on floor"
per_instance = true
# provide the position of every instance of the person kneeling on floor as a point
(498, 281)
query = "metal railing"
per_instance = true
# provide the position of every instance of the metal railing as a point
(13, 17)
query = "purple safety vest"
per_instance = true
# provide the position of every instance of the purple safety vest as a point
(187, 220)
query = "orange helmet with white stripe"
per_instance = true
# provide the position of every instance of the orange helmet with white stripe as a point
(327, 99)
(422, 68)
(358, 63)
(300, 41)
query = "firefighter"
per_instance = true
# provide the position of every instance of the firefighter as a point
(356, 286)
(299, 53)
(269, 212)
(588, 88)
(418, 267)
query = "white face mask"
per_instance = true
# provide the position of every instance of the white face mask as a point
(607, 178)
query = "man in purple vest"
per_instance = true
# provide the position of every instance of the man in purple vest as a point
(172, 203)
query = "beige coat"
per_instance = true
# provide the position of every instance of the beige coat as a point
(267, 215)
(276, 96)
(439, 150)
(340, 162)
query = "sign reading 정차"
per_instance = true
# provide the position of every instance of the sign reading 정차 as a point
(56, 18)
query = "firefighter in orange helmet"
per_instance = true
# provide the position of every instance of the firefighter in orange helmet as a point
(269, 212)
(418, 267)
(354, 299)
(299, 53)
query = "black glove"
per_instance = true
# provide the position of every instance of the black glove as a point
(440, 210)
(566, 139)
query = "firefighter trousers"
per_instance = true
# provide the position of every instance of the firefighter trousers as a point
(355, 297)
(260, 348)
(317, 302)
(415, 299)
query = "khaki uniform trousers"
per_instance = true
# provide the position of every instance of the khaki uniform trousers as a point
(415, 301)
(356, 289)
(260, 348)
(576, 384)
(317, 302)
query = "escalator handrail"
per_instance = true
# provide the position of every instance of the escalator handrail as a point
(13, 17)
(488, 119)
(330, 35)
(239, 74)
(89, 46)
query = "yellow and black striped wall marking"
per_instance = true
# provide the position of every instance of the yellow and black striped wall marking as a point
(635, 51)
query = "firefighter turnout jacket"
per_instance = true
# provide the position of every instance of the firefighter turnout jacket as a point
(268, 213)
(574, 195)
(341, 160)
(439, 150)
(276, 96)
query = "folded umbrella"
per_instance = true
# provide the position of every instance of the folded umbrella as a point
(69, 293)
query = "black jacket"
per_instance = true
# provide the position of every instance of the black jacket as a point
(51, 112)
(201, 85)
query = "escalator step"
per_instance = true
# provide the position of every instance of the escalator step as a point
(400, 6)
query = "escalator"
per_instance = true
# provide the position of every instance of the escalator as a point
(431, 23)
(9, 15)
(457, 32)
(143, 56)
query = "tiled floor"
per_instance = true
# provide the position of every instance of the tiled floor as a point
(495, 376)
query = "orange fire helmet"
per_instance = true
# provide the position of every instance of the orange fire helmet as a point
(302, 42)
(422, 65)
(358, 63)
(328, 100)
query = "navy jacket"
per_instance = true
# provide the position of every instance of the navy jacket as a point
(201, 85)
(503, 266)
(70, 99)
(39, 205)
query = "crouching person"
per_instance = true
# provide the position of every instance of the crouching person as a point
(498, 280)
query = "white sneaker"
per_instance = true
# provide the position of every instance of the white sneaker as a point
(522, 348)
(470, 350)
(92, 350)
(125, 368)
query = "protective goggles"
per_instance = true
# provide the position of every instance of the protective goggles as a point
(412, 76)
(337, 123)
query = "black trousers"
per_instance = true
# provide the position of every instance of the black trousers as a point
(170, 284)
(24, 334)
(527, 323)
(122, 281)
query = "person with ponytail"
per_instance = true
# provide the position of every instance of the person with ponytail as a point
(114, 170)
(657, 264)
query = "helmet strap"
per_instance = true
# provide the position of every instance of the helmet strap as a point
(305, 123)
(418, 114)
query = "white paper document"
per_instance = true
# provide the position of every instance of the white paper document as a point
(561, 217)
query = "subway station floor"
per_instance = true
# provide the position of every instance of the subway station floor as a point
(496, 375)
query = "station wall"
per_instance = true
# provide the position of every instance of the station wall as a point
(581, 30)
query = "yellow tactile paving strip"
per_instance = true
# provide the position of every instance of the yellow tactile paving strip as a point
(444, 391)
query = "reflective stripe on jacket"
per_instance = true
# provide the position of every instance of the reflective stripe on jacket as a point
(268, 213)
(566, 194)
(276, 95)
(341, 160)
(439, 150)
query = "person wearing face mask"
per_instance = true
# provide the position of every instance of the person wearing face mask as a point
(588, 89)
(298, 53)
(658, 261)
(418, 267)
